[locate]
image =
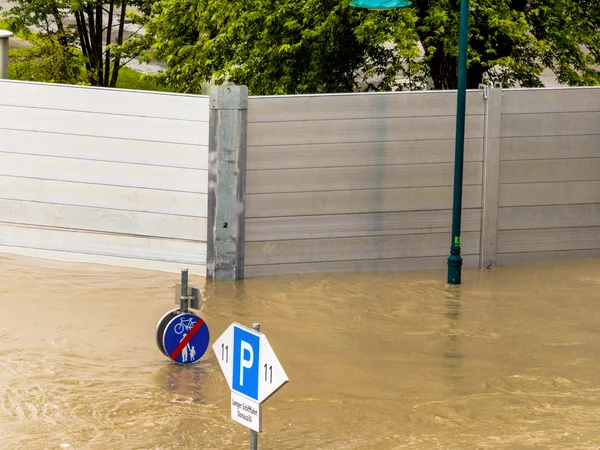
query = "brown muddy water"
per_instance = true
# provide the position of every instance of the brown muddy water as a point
(511, 359)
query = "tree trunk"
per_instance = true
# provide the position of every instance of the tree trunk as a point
(84, 41)
(443, 71)
(111, 10)
(90, 38)
(117, 61)
(60, 28)
(98, 41)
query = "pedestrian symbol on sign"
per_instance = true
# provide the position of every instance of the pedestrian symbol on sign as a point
(188, 347)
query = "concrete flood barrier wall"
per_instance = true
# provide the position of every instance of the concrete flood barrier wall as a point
(231, 186)
(549, 175)
(355, 182)
(104, 175)
(358, 182)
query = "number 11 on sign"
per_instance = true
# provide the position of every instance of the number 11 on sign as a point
(270, 377)
(225, 353)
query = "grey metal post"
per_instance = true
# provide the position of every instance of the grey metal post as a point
(4, 37)
(491, 175)
(184, 291)
(254, 434)
(227, 182)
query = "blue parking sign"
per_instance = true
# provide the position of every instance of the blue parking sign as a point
(246, 357)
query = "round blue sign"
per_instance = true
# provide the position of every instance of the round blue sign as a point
(186, 338)
(160, 328)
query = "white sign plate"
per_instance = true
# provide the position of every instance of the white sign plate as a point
(272, 376)
(249, 363)
(246, 412)
(223, 348)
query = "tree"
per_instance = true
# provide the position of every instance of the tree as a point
(273, 47)
(513, 40)
(87, 25)
(291, 46)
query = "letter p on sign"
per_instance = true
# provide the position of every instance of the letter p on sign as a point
(246, 363)
(246, 354)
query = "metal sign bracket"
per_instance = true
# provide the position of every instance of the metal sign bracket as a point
(187, 297)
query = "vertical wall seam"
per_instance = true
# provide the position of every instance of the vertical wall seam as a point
(486, 120)
(491, 176)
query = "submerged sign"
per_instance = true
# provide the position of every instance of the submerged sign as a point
(181, 335)
(252, 371)
(186, 338)
(249, 363)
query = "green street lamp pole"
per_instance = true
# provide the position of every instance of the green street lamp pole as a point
(455, 260)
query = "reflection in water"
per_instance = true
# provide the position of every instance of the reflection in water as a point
(375, 360)
(186, 383)
(452, 353)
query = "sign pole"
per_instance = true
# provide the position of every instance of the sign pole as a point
(254, 434)
(252, 372)
(184, 291)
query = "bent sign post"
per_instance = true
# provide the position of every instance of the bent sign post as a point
(252, 371)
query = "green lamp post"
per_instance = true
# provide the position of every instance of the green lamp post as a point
(454, 260)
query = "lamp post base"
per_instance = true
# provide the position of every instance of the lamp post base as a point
(454, 265)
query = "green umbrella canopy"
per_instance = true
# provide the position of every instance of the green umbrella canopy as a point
(380, 4)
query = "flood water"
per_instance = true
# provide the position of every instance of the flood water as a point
(510, 359)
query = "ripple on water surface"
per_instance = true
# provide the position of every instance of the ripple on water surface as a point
(375, 361)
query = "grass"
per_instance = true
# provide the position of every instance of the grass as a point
(132, 79)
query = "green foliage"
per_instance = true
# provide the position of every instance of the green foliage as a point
(52, 63)
(312, 46)
(49, 63)
(291, 46)
(96, 28)
(6, 25)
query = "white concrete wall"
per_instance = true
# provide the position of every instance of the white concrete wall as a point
(104, 175)
(549, 193)
(358, 182)
(347, 182)
(364, 181)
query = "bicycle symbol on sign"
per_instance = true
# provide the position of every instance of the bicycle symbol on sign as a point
(184, 325)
